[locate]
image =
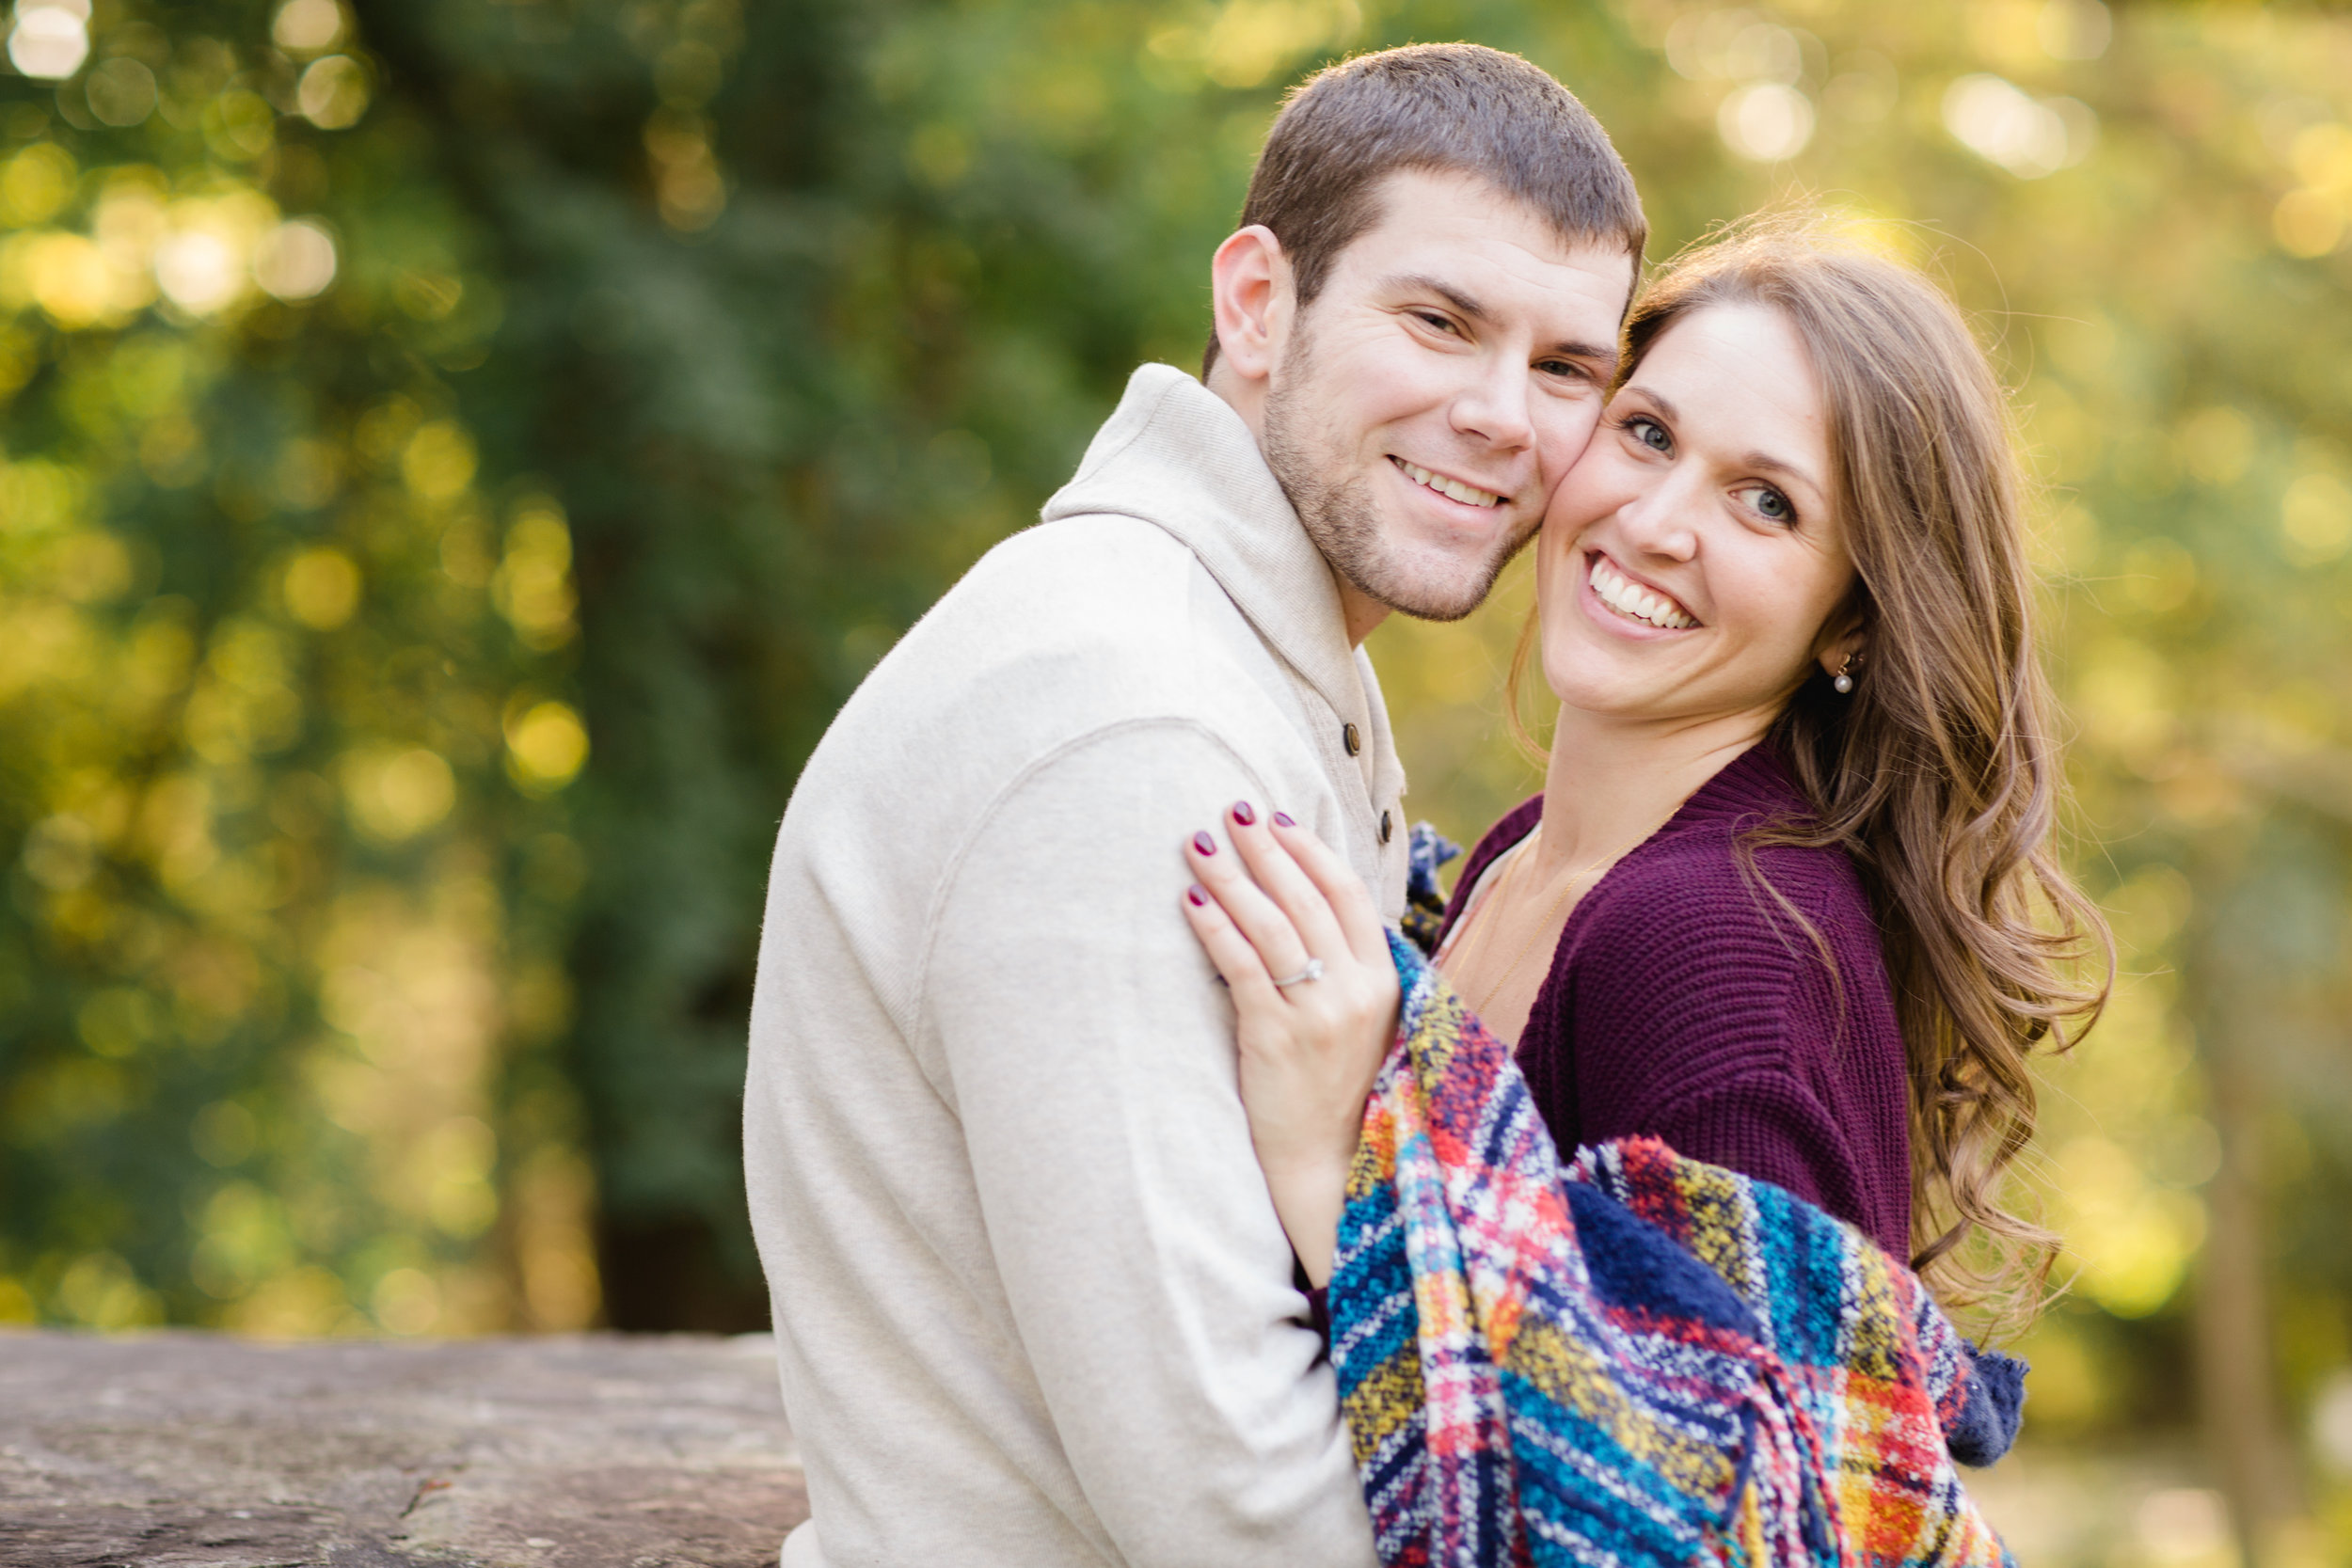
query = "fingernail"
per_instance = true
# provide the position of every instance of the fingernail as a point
(1282, 820)
(1205, 844)
(1199, 895)
(1243, 814)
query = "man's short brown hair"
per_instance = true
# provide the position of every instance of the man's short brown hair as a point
(1444, 107)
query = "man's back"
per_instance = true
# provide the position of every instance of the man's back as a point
(1033, 1305)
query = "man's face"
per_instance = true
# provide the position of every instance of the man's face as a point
(1427, 400)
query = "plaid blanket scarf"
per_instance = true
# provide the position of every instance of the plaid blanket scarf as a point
(1633, 1359)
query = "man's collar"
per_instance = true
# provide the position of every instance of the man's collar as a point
(1175, 454)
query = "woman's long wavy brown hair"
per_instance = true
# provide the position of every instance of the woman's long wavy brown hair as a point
(1939, 774)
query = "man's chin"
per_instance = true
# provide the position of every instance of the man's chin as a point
(1431, 596)
(1432, 586)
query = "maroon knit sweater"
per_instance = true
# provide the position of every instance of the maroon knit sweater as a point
(1683, 1003)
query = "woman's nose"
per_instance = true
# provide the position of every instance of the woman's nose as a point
(1662, 521)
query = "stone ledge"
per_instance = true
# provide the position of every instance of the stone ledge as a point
(562, 1451)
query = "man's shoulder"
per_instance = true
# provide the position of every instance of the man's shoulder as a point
(1085, 628)
(1091, 611)
(1093, 574)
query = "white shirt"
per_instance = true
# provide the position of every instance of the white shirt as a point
(1033, 1305)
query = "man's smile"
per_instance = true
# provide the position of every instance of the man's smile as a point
(1452, 489)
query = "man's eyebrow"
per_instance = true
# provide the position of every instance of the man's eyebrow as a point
(1410, 283)
(1604, 356)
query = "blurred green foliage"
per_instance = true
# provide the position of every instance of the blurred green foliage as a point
(458, 455)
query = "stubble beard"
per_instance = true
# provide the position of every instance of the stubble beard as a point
(1337, 508)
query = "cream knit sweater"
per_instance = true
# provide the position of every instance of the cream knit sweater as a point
(1033, 1307)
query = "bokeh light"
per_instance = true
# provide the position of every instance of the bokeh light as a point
(200, 270)
(307, 26)
(548, 745)
(122, 92)
(1765, 122)
(50, 37)
(321, 587)
(296, 260)
(2075, 29)
(333, 93)
(2029, 137)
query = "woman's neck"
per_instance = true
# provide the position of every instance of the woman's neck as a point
(1610, 783)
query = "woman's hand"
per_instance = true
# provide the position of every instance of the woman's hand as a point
(1282, 908)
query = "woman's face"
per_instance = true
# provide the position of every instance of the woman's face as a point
(1691, 563)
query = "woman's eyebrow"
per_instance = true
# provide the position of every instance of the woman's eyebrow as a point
(1655, 399)
(1764, 461)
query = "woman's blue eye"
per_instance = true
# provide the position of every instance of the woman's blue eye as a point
(1652, 435)
(1771, 503)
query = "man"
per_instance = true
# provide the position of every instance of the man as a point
(1033, 1305)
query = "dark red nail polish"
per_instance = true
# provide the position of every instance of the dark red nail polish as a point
(1199, 895)
(1243, 814)
(1204, 843)
(1282, 820)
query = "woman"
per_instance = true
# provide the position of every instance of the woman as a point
(1787, 899)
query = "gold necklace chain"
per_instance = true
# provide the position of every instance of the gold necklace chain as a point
(1536, 933)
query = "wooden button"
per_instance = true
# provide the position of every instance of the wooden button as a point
(1385, 828)
(1355, 741)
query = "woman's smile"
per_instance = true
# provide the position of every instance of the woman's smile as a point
(1638, 609)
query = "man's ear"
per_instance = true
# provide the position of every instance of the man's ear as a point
(1251, 292)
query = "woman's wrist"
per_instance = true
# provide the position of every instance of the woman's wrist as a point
(1299, 1158)
(1308, 1197)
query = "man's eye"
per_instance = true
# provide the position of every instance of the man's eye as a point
(1435, 321)
(1567, 368)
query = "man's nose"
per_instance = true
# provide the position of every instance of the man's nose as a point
(1494, 405)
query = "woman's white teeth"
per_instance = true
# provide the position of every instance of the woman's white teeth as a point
(1466, 495)
(1631, 599)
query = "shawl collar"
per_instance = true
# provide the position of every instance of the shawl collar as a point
(1177, 455)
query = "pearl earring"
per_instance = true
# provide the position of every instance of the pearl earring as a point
(1844, 682)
